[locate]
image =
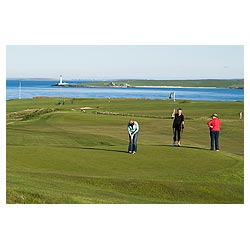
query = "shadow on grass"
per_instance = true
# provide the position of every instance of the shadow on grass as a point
(185, 146)
(105, 149)
(159, 145)
(196, 147)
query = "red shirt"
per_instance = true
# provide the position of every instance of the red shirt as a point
(215, 123)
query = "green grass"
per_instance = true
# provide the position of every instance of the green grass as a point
(219, 83)
(57, 154)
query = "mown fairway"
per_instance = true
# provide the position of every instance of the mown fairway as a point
(58, 154)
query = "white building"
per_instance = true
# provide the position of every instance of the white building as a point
(61, 82)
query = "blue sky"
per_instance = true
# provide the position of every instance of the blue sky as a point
(107, 62)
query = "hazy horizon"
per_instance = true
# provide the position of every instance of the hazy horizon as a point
(110, 79)
(100, 62)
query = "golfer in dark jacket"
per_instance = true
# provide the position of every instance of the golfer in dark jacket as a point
(178, 125)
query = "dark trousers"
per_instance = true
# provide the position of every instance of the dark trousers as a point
(177, 133)
(133, 143)
(214, 135)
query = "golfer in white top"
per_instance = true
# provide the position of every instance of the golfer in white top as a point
(133, 129)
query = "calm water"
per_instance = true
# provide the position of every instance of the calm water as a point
(43, 88)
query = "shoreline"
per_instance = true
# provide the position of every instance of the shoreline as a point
(174, 87)
(145, 86)
(120, 98)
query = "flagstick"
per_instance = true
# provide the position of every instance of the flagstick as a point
(20, 90)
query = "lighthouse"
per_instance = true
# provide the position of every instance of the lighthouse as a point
(61, 83)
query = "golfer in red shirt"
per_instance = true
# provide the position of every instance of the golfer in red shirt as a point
(214, 126)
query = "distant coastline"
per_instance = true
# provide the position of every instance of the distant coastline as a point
(163, 87)
(149, 87)
(204, 83)
(140, 83)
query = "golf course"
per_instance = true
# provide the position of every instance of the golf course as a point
(74, 151)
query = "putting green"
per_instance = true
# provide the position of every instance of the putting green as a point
(67, 156)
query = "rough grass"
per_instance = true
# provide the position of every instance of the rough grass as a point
(67, 156)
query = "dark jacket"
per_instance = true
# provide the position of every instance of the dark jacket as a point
(178, 119)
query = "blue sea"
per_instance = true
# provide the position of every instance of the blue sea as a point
(32, 88)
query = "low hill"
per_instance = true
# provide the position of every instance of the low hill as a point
(225, 83)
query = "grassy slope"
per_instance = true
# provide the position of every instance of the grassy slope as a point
(71, 157)
(185, 83)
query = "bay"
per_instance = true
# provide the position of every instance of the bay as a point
(33, 88)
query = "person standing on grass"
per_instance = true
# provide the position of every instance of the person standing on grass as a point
(178, 125)
(133, 129)
(214, 127)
